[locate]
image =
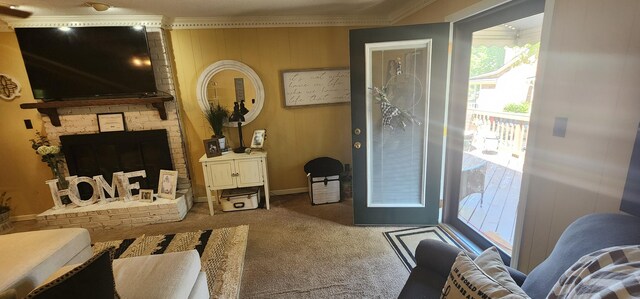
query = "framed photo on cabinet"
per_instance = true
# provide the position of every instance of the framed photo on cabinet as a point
(257, 141)
(212, 147)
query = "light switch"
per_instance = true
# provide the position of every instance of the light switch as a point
(560, 126)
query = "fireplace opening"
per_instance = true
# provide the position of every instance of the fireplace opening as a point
(105, 153)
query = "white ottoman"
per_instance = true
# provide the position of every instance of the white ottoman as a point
(169, 275)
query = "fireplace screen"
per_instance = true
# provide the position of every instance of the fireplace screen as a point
(106, 153)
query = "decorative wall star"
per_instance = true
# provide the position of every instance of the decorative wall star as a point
(9, 87)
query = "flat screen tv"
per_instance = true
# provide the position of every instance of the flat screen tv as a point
(87, 62)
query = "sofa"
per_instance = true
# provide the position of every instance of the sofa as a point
(31, 259)
(586, 235)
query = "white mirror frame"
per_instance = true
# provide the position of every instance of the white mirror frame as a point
(210, 71)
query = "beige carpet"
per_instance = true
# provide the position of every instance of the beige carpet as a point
(221, 253)
(296, 250)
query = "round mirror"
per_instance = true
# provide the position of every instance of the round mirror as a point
(228, 81)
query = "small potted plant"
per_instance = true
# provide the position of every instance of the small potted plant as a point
(5, 210)
(217, 115)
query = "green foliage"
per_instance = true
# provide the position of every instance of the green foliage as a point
(517, 107)
(216, 116)
(4, 202)
(50, 154)
(485, 59)
(529, 51)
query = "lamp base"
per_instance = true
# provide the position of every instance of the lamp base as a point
(239, 150)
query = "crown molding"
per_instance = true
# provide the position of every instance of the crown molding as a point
(408, 9)
(148, 21)
(277, 21)
(154, 21)
(158, 21)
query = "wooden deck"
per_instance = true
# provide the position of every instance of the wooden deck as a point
(495, 217)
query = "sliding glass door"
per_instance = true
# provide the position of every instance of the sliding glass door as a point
(493, 74)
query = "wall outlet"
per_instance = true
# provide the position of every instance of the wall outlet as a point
(560, 126)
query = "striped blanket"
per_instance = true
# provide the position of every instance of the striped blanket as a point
(608, 273)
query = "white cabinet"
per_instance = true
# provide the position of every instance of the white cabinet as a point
(235, 171)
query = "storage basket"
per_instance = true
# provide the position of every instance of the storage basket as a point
(323, 177)
(240, 199)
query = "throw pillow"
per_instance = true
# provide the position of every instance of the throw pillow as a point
(491, 263)
(613, 272)
(92, 279)
(467, 281)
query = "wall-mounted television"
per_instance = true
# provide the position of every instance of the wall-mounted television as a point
(87, 62)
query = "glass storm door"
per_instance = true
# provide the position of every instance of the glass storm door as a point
(398, 83)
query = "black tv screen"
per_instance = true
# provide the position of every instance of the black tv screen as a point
(86, 62)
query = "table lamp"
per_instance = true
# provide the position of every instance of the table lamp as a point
(239, 110)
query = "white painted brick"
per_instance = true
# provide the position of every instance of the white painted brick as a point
(100, 218)
(112, 223)
(140, 214)
(79, 220)
(61, 221)
(170, 217)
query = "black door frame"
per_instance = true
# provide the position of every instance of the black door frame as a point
(460, 61)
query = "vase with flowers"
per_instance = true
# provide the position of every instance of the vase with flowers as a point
(217, 115)
(53, 156)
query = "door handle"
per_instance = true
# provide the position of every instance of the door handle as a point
(357, 145)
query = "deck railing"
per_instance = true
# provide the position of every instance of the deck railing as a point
(511, 129)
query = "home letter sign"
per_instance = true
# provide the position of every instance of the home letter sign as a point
(99, 185)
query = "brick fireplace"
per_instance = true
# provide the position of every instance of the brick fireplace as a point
(138, 117)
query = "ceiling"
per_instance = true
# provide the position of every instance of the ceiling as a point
(387, 11)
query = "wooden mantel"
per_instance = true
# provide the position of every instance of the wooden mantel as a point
(51, 108)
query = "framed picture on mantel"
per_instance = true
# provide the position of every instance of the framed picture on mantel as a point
(111, 122)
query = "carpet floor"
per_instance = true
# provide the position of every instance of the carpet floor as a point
(295, 250)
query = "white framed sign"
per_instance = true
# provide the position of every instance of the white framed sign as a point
(111, 122)
(316, 86)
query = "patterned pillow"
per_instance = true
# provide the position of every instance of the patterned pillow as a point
(92, 279)
(467, 281)
(491, 263)
(613, 272)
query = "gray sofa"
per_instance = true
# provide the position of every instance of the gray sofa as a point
(585, 235)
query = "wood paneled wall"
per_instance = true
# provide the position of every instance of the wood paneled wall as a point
(294, 135)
